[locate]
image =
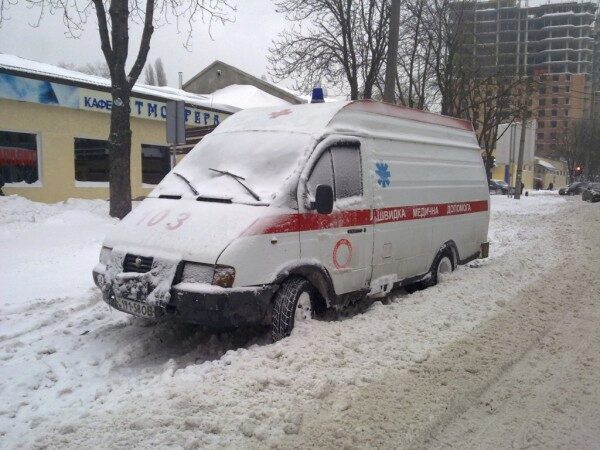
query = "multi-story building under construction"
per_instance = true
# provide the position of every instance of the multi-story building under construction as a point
(555, 44)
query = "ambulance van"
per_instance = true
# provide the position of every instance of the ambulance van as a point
(282, 213)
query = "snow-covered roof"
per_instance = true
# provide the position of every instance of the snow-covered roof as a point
(545, 164)
(28, 67)
(245, 96)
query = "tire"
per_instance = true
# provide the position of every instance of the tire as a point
(286, 308)
(443, 264)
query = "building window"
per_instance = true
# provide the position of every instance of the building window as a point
(554, 112)
(555, 77)
(567, 101)
(554, 88)
(555, 101)
(566, 112)
(18, 157)
(542, 102)
(567, 88)
(553, 136)
(540, 136)
(542, 90)
(541, 113)
(568, 77)
(541, 124)
(156, 163)
(553, 124)
(91, 160)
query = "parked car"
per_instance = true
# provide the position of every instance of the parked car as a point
(282, 213)
(574, 188)
(592, 193)
(498, 187)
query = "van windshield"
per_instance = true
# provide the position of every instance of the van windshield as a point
(265, 161)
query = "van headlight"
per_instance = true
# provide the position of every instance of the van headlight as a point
(222, 276)
(197, 273)
(105, 255)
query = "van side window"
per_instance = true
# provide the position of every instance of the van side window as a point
(322, 173)
(347, 171)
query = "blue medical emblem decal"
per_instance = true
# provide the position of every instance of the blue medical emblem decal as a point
(383, 174)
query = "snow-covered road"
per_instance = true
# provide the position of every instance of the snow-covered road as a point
(503, 353)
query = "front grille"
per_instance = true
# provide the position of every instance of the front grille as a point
(135, 263)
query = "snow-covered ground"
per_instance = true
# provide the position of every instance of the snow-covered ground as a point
(503, 352)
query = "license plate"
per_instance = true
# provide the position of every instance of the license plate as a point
(135, 308)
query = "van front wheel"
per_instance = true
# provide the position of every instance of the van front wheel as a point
(293, 303)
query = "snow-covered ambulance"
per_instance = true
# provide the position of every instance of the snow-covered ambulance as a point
(281, 213)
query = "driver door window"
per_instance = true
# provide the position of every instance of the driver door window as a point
(347, 172)
(340, 168)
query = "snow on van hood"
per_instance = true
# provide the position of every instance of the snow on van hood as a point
(184, 229)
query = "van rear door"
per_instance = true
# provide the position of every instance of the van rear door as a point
(342, 240)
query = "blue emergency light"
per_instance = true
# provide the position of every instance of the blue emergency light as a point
(317, 95)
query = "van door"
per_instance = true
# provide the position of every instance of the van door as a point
(343, 240)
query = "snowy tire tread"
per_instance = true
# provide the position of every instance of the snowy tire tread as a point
(284, 306)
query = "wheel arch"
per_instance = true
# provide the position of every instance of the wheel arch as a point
(317, 275)
(450, 249)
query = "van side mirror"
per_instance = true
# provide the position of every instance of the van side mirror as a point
(323, 199)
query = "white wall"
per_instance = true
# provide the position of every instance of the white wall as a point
(507, 147)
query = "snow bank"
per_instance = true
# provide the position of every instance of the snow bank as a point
(48, 249)
(14, 208)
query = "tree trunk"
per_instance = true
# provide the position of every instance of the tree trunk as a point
(119, 155)
(391, 65)
(353, 89)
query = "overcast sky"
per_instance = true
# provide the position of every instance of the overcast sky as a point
(243, 44)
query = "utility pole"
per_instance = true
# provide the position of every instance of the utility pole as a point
(519, 177)
(391, 67)
(525, 106)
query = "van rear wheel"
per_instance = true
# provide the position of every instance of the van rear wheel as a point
(443, 264)
(294, 302)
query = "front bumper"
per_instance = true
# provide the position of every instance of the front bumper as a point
(208, 305)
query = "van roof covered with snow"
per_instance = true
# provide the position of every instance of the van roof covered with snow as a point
(361, 117)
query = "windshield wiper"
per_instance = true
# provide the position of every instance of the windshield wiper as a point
(187, 182)
(239, 180)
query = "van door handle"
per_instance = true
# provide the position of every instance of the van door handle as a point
(355, 230)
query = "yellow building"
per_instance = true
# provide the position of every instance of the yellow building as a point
(54, 124)
(537, 174)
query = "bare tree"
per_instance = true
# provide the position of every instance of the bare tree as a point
(150, 78)
(340, 42)
(568, 147)
(113, 27)
(161, 76)
(580, 147)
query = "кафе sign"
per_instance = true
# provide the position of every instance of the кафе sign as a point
(45, 92)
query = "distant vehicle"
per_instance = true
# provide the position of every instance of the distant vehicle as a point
(282, 213)
(498, 187)
(574, 188)
(592, 193)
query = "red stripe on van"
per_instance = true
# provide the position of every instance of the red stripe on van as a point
(289, 223)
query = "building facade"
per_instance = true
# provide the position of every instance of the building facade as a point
(555, 44)
(54, 125)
